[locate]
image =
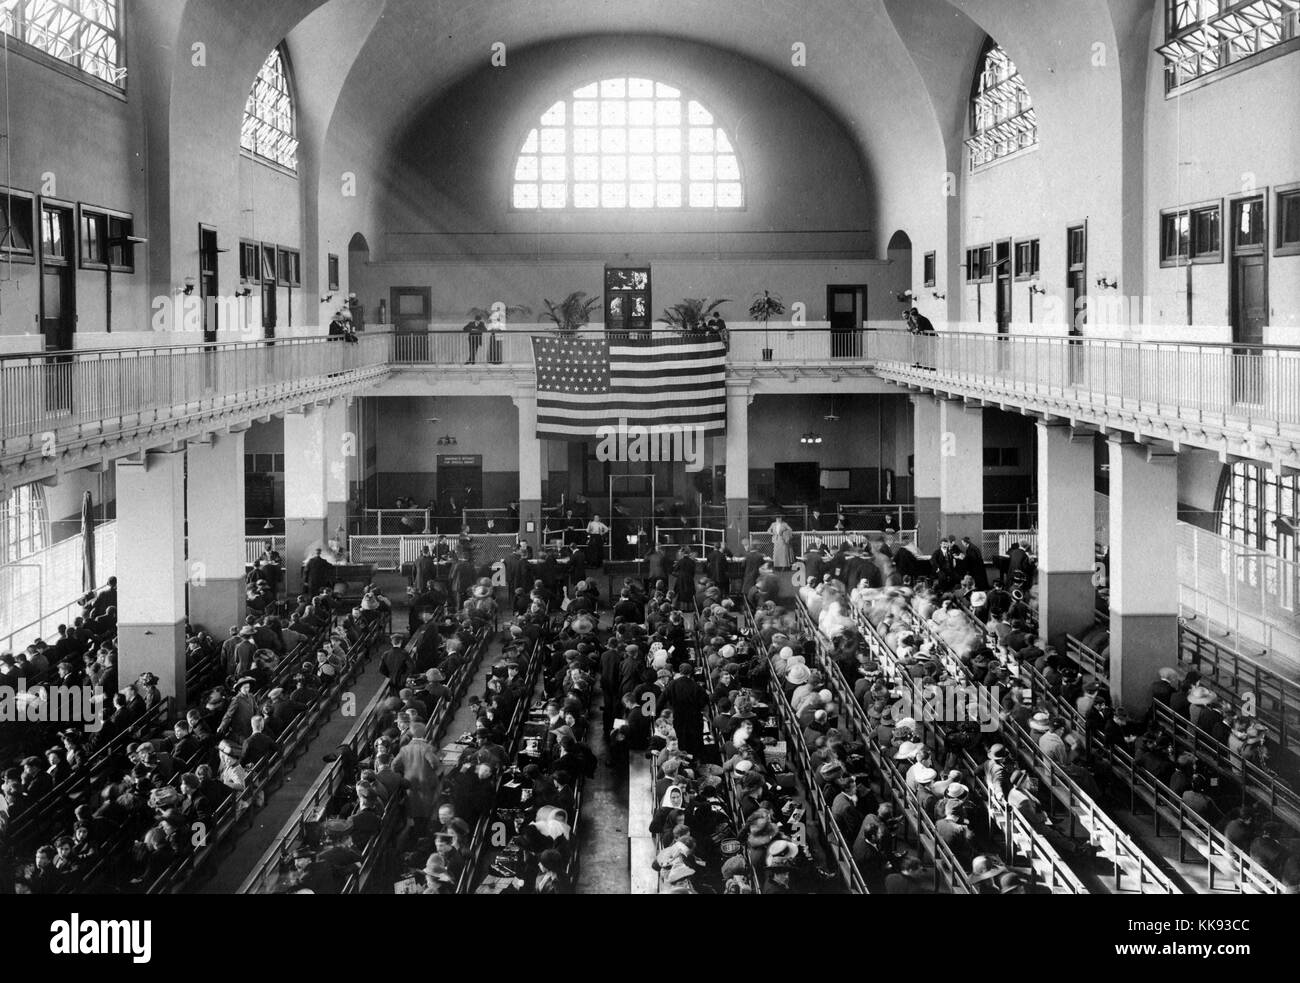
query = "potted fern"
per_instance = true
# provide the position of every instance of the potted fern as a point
(691, 313)
(764, 309)
(572, 313)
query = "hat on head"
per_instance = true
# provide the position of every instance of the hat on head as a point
(978, 599)
(248, 631)
(925, 775)
(907, 750)
(245, 679)
(830, 771)
(1169, 675)
(956, 790)
(680, 872)
(1202, 696)
(1041, 722)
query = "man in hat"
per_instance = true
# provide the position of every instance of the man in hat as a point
(259, 744)
(240, 649)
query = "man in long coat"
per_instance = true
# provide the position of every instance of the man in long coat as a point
(419, 764)
(689, 701)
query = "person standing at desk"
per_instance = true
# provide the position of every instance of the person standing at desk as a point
(597, 532)
(318, 574)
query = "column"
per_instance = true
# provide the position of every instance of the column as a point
(530, 467)
(925, 471)
(1066, 596)
(1143, 569)
(305, 509)
(215, 510)
(738, 398)
(961, 470)
(340, 447)
(151, 561)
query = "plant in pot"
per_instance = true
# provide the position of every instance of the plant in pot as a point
(763, 309)
(691, 313)
(572, 313)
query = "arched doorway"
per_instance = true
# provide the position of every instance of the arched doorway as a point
(899, 254)
(358, 259)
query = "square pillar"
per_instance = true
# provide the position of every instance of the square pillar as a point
(1066, 554)
(305, 509)
(925, 471)
(151, 554)
(1143, 569)
(530, 467)
(738, 400)
(340, 448)
(961, 470)
(215, 508)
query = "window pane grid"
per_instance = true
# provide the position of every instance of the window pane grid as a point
(627, 143)
(83, 33)
(1003, 120)
(268, 128)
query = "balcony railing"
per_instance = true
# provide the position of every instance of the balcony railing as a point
(749, 344)
(53, 392)
(1234, 386)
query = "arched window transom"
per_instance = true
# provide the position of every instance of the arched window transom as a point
(1002, 117)
(269, 122)
(627, 143)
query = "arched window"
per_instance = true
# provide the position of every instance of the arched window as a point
(627, 143)
(22, 523)
(83, 33)
(1260, 508)
(1002, 118)
(269, 122)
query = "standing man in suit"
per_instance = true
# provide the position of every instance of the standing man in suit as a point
(475, 329)
(684, 580)
(318, 574)
(753, 564)
(814, 561)
(426, 569)
(973, 560)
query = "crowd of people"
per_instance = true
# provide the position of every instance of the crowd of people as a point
(117, 806)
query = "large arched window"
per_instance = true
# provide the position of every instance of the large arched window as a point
(1002, 117)
(83, 33)
(269, 122)
(1260, 508)
(627, 143)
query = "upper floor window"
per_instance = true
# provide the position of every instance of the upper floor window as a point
(1203, 36)
(86, 34)
(269, 123)
(1260, 508)
(1002, 117)
(22, 523)
(627, 143)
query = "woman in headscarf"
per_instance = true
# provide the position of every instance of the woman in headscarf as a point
(418, 763)
(781, 535)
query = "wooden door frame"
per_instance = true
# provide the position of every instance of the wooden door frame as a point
(1233, 252)
(393, 308)
(72, 244)
(862, 311)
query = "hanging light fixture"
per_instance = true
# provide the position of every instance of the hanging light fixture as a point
(447, 440)
(811, 438)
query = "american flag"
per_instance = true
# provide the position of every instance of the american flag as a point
(587, 383)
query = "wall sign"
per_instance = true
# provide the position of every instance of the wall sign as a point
(460, 460)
